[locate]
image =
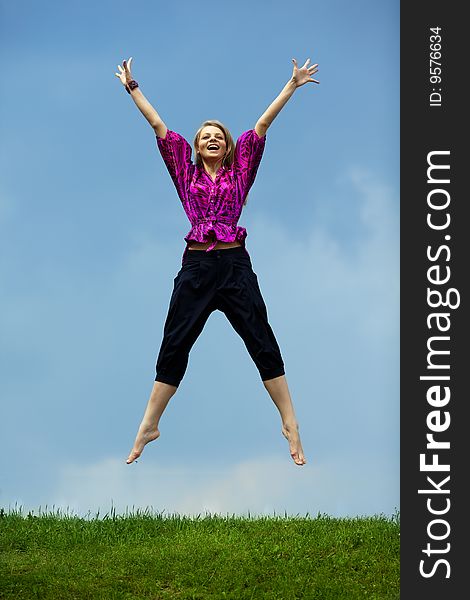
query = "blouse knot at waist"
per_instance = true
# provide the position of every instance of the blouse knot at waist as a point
(219, 229)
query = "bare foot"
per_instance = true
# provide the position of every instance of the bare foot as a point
(291, 433)
(144, 436)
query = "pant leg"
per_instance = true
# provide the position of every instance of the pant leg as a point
(191, 303)
(240, 298)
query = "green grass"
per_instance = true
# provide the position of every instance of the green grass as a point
(148, 556)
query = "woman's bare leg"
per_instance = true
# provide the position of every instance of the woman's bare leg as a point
(148, 430)
(279, 392)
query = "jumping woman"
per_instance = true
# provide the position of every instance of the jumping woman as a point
(216, 272)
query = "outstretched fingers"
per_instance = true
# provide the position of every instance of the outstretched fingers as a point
(311, 71)
(124, 73)
(304, 74)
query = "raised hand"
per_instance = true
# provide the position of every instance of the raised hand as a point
(304, 74)
(125, 71)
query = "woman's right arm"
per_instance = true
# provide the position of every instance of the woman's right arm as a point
(141, 101)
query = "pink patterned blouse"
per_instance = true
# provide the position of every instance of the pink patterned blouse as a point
(213, 207)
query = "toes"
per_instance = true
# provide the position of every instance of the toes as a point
(299, 459)
(132, 457)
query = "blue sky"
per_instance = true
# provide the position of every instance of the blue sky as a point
(91, 237)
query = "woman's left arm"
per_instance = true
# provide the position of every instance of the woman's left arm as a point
(299, 77)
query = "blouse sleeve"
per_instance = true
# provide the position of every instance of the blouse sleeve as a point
(176, 153)
(248, 152)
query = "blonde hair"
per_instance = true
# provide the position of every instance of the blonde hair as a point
(229, 155)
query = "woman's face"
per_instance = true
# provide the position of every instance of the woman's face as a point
(211, 144)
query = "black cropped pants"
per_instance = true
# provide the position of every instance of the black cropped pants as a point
(217, 280)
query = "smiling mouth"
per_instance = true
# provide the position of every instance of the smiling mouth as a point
(213, 147)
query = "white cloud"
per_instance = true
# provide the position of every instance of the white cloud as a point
(259, 486)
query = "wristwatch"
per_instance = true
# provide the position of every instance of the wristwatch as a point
(131, 85)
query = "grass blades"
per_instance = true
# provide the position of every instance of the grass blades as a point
(146, 555)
